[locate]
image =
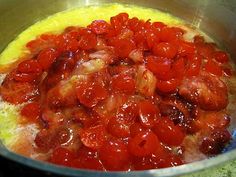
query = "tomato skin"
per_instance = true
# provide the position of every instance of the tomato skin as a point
(168, 133)
(93, 137)
(136, 128)
(212, 120)
(99, 27)
(170, 161)
(119, 125)
(160, 66)
(87, 40)
(17, 92)
(29, 66)
(152, 37)
(118, 128)
(31, 111)
(140, 39)
(62, 156)
(159, 159)
(87, 159)
(133, 24)
(165, 49)
(148, 114)
(168, 86)
(65, 43)
(170, 34)
(194, 65)
(25, 77)
(158, 26)
(221, 56)
(178, 68)
(114, 155)
(118, 21)
(143, 144)
(90, 94)
(213, 68)
(185, 48)
(123, 83)
(47, 139)
(40, 43)
(123, 47)
(46, 57)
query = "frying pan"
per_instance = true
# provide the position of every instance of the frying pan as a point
(216, 18)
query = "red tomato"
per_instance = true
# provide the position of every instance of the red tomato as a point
(31, 111)
(160, 66)
(119, 125)
(87, 40)
(179, 68)
(87, 159)
(47, 139)
(185, 48)
(89, 94)
(143, 163)
(194, 65)
(118, 128)
(35, 45)
(47, 37)
(213, 68)
(99, 26)
(221, 56)
(84, 117)
(136, 128)
(148, 114)
(152, 38)
(123, 47)
(158, 26)
(119, 20)
(114, 155)
(17, 92)
(25, 77)
(144, 143)
(133, 24)
(46, 57)
(168, 86)
(93, 137)
(168, 133)
(171, 34)
(160, 159)
(123, 83)
(212, 120)
(29, 66)
(170, 161)
(66, 42)
(140, 39)
(62, 156)
(165, 49)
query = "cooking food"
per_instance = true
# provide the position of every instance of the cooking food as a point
(124, 94)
